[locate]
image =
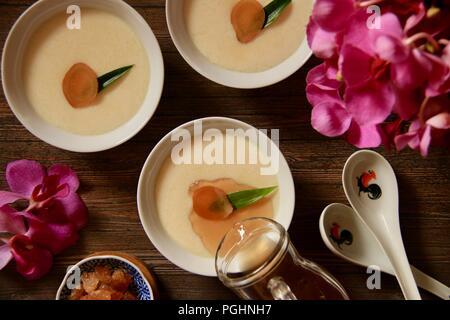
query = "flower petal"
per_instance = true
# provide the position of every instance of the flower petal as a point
(355, 65)
(10, 197)
(411, 138)
(5, 255)
(412, 72)
(330, 119)
(324, 75)
(322, 43)
(368, 136)
(391, 49)
(73, 208)
(357, 33)
(333, 15)
(387, 41)
(439, 77)
(446, 55)
(10, 221)
(407, 103)
(389, 130)
(32, 261)
(53, 236)
(440, 121)
(360, 35)
(316, 94)
(66, 176)
(433, 107)
(415, 18)
(402, 140)
(24, 175)
(425, 141)
(370, 103)
(390, 25)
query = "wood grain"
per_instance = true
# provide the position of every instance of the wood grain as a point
(109, 178)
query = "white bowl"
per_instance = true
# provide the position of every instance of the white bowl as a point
(148, 211)
(220, 75)
(13, 53)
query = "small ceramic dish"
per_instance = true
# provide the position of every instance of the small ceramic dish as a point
(13, 86)
(143, 283)
(147, 205)
(220, 75)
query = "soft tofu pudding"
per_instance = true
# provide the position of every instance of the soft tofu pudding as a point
(198, 203)
(235, 35)
(86, 81)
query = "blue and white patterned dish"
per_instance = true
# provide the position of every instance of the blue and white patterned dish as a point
(140, 284)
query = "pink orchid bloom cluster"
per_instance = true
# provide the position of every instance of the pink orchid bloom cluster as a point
(385, 78)
(39, 217)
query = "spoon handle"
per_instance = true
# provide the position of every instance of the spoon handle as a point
(399, 260)
(430, 284)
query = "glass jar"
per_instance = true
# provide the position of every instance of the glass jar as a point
(257, 261)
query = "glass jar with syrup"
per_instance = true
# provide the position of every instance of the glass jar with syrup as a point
(257, 261)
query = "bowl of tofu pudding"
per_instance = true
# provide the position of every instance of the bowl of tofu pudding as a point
(83, 76)
(196, 182)
(241, 43)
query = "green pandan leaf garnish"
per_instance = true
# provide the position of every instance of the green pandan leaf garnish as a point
(274, 10)
(109, 78)
(246, 198)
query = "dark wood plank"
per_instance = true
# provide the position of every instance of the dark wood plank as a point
(109, 178)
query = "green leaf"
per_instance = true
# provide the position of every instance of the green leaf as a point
(273, 10)
(245, 198)
(108, 79)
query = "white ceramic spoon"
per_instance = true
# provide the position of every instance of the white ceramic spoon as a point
(371, 188)
(364, 249)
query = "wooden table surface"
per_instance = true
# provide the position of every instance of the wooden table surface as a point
(109, 179)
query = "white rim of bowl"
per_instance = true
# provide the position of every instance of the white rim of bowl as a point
(82, 149)
(257, 81)
(169, 256)
(101, 257)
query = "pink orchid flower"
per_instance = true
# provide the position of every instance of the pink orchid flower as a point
(32, 261)
(439, 79)
(367, 96)
(51, 193)
(330, 116)
(377, 78)
(418, 138)
(411, 66)
(386, 64)
(49, 221)
(434, 120)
